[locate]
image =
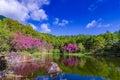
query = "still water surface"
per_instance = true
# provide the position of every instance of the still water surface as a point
(84, 68)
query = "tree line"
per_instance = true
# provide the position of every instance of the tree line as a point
(97, 44)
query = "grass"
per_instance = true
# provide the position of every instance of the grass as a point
(37, 55)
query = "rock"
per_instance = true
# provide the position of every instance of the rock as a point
(54, 68)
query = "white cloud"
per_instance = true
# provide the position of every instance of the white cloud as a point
(36, 2)
(59, 22)
(45, 28)
(97, 23)
(13, 9)
(91, 24)
(63, 23)
(38, 15)
(22, 10)
(33, 26)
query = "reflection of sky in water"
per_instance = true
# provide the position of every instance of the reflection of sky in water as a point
(69, 77)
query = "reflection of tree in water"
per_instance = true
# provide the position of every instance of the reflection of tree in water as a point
(108, 68)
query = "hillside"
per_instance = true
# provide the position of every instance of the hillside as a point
(93, 43)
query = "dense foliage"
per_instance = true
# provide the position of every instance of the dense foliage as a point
(18, 36)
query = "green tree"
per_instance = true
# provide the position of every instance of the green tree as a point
(98, 43)
(4, 40)
(81, 47)
(108, 39)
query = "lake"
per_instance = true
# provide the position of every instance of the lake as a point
(85, 68)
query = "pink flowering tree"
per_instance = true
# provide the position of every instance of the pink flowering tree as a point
(70, 48)
(21, 42)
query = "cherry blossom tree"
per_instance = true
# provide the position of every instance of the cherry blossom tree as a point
(21, 42)
(70, 48)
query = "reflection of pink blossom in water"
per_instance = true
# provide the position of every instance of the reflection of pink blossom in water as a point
(25, 69)
(70, 61)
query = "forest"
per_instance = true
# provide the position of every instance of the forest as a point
(18, 37)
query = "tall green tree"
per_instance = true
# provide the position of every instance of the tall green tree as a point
(98, 43)
(4, 40)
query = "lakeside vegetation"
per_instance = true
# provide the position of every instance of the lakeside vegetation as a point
(11, 33)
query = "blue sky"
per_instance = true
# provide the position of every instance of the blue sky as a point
(65, 17)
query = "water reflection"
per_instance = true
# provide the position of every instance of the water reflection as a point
(92, 67)
(105, 67)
